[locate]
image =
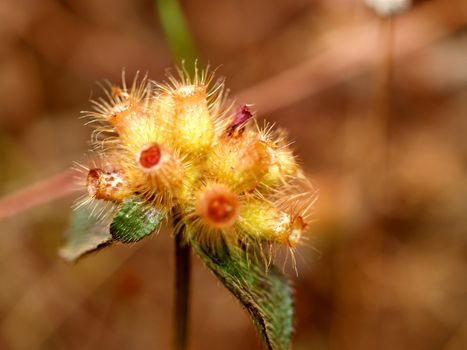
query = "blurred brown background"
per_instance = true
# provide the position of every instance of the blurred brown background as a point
(378, 112)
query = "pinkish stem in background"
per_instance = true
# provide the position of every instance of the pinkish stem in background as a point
(39, 193)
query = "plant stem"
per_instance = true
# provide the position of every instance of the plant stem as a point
(182, 289)
(39, 193)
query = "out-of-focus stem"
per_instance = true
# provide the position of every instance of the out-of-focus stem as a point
(383, 110)
(36, 194)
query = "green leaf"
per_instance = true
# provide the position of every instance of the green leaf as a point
(84, 235)
(135, 220)
(177, 31)
(266, 295)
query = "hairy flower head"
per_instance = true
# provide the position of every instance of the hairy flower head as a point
(178, 145)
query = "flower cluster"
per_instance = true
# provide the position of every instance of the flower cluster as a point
(180, 148)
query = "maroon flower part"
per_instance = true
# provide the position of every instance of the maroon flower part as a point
(240, 119)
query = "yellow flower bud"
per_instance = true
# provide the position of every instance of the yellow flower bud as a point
(283, 166)
(156, 173)
(262, 221)
(193, 123)
(240, 163)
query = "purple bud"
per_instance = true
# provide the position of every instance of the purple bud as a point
(241, 117)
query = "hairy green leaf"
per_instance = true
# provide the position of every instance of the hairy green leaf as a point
(266, 295)
(135, 220)
(84, 235)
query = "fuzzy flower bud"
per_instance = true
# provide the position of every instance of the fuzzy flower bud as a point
(240, 163)
(218, 206)
(283, 166)
(157, 173)
(106, 185)
(195, 127)
(265, 222)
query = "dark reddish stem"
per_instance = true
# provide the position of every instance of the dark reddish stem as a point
(182, 288)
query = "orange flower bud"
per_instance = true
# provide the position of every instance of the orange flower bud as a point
(106, 185)
(218, 206)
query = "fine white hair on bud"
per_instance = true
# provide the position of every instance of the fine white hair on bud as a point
(297, 228)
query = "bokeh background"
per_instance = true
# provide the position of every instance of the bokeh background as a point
(378, 111)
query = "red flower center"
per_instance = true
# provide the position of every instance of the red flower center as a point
(221, 209)
(150, 156)
(219, 206)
